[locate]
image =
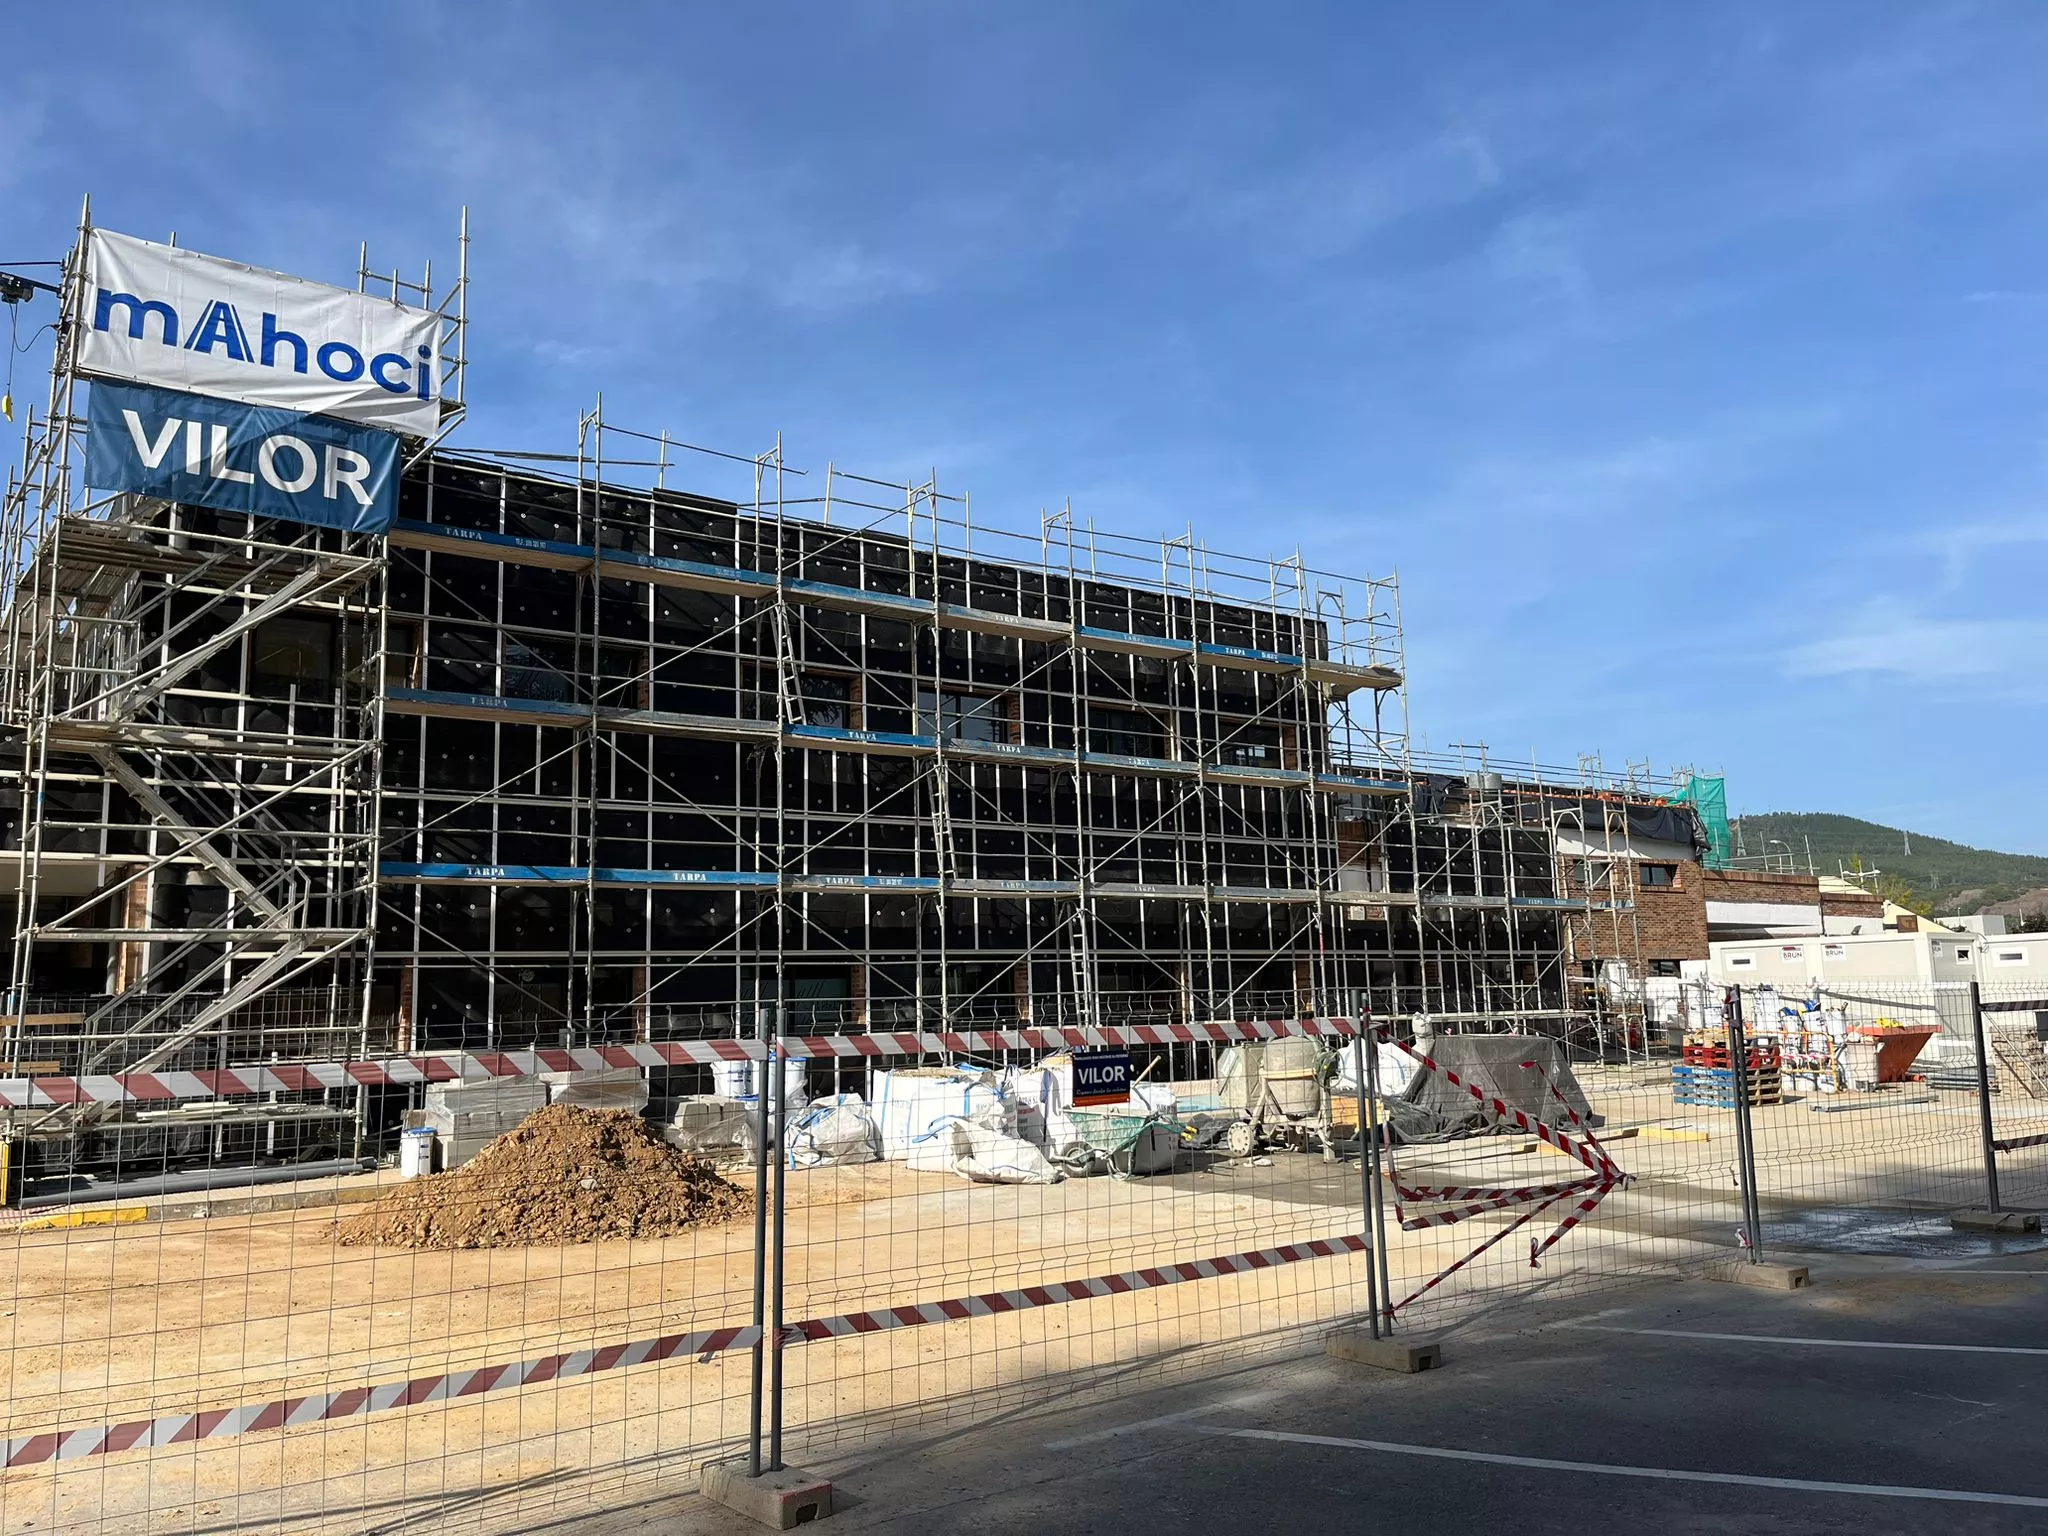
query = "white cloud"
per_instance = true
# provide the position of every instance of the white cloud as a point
(846, 275)
(1699, 464)
(1327, 208)
(2002, 653)
(1478, 153)
(1962, 546)
(662, 198)
(1538, 256)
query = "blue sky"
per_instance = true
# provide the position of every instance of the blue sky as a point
(1688, 363)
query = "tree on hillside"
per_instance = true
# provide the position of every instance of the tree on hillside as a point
(1891, 888)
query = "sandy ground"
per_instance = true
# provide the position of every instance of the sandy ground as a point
(133, 1322)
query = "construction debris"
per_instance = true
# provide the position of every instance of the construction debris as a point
(566, 1175)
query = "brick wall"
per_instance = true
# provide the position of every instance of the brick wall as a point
(1755, 885)
(1669, 921)
(1851, 904)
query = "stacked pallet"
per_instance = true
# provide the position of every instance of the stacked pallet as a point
(1705, 1074)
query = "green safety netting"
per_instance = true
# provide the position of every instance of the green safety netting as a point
(1710, 798)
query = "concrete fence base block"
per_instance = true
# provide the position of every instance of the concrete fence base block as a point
(1406, 1355)
(1769, 1277)
(782, 1500)
(1981, 1220)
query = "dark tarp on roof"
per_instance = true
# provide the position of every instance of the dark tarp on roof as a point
(1665, 823)
(1511, 1068)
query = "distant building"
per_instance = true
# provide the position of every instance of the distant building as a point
(1916, 977)
(1923, 959)
(1758, 904)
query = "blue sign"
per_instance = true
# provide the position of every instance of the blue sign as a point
(241, 458)
(1101, 1077)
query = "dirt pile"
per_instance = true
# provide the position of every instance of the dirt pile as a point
(564, 1175)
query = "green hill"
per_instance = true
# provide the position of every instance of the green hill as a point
(1947, 877)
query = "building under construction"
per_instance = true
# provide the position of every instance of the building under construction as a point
(569, 756)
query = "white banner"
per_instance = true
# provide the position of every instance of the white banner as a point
(157, 314)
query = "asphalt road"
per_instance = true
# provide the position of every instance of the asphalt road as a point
(1669, 1408)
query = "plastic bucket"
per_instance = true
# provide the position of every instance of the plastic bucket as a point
(415, 1151)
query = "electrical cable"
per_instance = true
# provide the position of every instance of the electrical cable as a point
(13, 350)
(14, 289)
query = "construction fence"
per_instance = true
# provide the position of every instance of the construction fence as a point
(783, 1246)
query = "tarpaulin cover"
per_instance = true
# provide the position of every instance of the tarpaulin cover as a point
(911, 1104)
(1687, 819)
(1664, 823)
(1709, 796)
(1519, 1070)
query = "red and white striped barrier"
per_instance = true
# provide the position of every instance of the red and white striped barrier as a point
(485, 1066)
(351, 1402)
(2015, 1143)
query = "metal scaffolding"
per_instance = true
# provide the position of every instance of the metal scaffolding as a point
(193, 726)
(571, 756)
(905, 680)
(853, 751)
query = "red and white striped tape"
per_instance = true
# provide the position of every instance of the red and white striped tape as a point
(380, 1072)
(992, 1303)
(1595, 1160)
(1571, 1114)
(351, 1402)
(1502, 1235)
(291, 1412)
(1604, 1178)
(1579, 1213)
(485, 1066)
(1429, 1194)
(988, 1041)
(1499, 1201)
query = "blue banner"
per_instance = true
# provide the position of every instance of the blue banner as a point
(241, 458)
(1101, 1077)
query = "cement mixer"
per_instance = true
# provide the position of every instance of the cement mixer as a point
(1281, 1090)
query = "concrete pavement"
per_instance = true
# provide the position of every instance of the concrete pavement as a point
(1671, 1407)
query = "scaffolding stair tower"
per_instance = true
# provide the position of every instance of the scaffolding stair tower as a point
(196, 717)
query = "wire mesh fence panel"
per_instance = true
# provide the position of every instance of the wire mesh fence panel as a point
(2015, 1019)
(1868, 1107)
(1525, 1165)
(1536, 1164)
(216, 1317)
(967, 1238)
